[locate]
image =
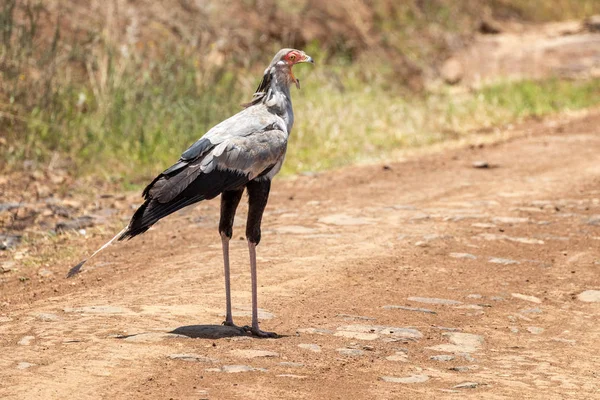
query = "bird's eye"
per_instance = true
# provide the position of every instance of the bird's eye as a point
(292, 58)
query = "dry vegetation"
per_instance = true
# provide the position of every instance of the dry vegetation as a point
(126, 85)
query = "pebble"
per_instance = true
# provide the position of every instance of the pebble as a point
(315, 331)
(483, 225)
(535, 330)
(7, 266)
(460, 343)
(399, 356)
(463, 255)
(532, 310)
(594, 220)
(358, 317)
(47, 317)
(291, 364)
(442, 357)
(510, 220)
(344, 220)
(405, 308)
(311, 347)
(45, 273)
(232, 369)
(373, 331)
(295, 230)
(25, 365)
(466, 385)
(350, 352)
(191, 357)
(293, 376)
(432, 300)
(525, 297)
(26, 340)
(406, 379)
(480, 164)
(474, 296)
(8, 242)
(589, 296)
(250, 353)
(99, 310)
(503, 261)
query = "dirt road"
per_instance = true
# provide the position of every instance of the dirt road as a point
(425, 279)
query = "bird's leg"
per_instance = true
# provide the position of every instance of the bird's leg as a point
(229, 203)
(258, 194)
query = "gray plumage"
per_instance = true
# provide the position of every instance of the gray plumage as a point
(248, 146)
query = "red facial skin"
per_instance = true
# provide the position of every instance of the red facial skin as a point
(293, 57)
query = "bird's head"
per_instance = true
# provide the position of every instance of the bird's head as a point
(285, 59)
(281, 67)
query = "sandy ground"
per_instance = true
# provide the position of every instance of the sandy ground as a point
(424, 279)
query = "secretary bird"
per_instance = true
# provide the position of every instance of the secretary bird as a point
(243, 152)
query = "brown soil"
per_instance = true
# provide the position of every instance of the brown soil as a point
(337, 248)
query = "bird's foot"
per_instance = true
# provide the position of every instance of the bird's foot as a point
(258, 333)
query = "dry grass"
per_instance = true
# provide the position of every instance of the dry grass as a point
(118, 87)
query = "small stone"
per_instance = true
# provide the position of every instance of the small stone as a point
(442, 357)
(315, 331)
(250, 353)
(8, 242)
(405, 308)
(432, 300)
(462, 368)
(483, 225)
(503, 261)
(7, 266)
(525, 297)
(291, 364)
(535, 330)
(395, 332)
(25, 365)
(344, 220)
(532, 310)
(311, 347)
(463, 255)
(510, 220)
(357, 317)
(350, 352)
(47, 317)
(399, 356)
(26, 340)
(466, 385)
(293, 376)
(474, 296)
(76, 224)
(407, 379)
(45, 273)
(589, 296)
(233, 369)
(480, 164)
(497, 298)
(191, 357)
(460, 343)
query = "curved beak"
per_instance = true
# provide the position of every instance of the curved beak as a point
(307, 59)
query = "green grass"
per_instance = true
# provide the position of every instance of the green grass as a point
(111, 109)
(335, 128)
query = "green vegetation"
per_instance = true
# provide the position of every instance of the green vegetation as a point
(106, 105)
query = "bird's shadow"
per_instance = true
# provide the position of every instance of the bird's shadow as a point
(213, 332)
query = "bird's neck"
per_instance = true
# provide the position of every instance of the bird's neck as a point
(279, 99)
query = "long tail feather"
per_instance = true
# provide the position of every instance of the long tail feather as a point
(76, 269)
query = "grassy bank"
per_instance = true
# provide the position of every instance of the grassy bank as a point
(108, 101)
